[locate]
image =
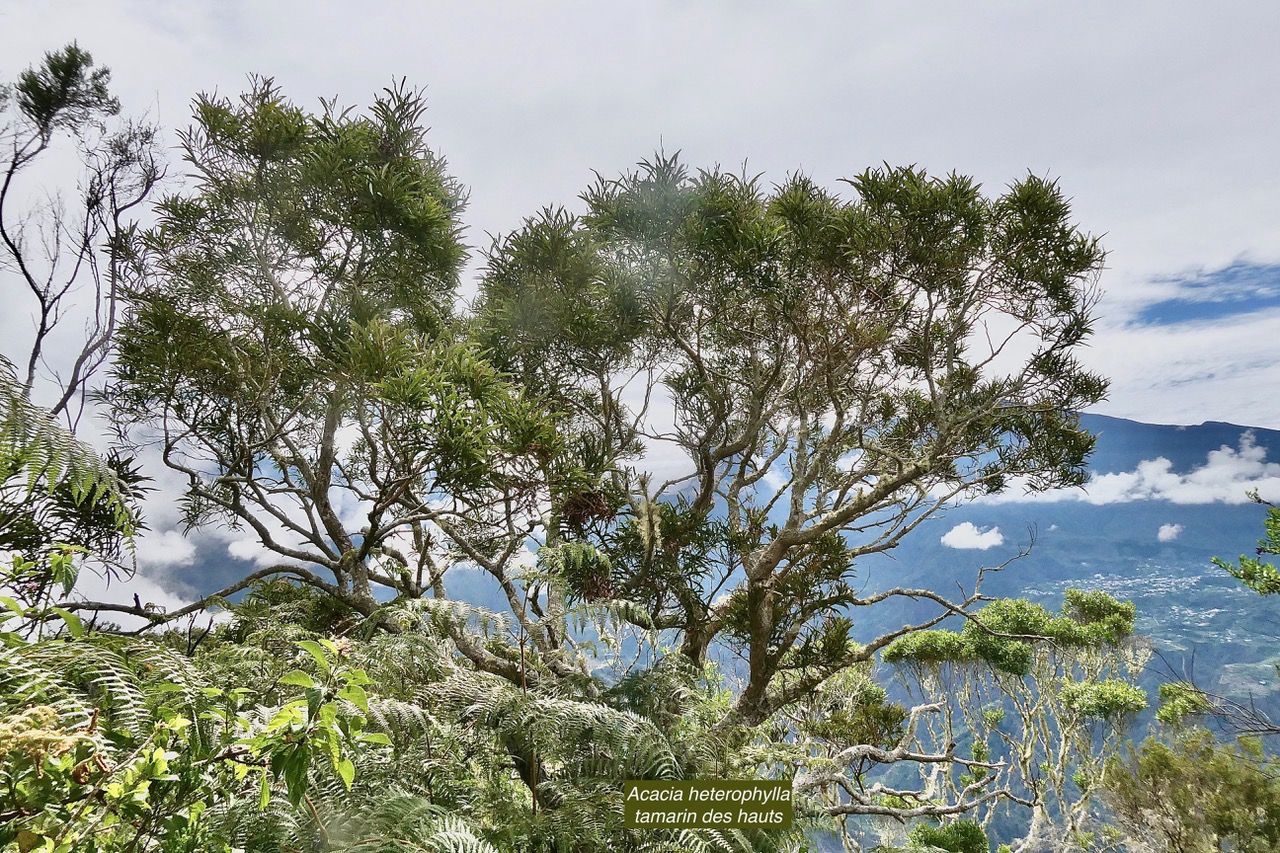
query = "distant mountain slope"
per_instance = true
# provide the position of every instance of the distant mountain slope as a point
(1152, 550)
(1122, 444)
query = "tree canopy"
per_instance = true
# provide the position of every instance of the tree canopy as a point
(666, 433)
(834, 371)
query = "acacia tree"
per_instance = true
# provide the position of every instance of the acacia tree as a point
(1046, 713)
(835, 369)
(828, 374)
(290, 348)
(63, 258)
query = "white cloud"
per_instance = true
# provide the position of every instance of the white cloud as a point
(164, 550)
(1186, 373)
(1226, 477)
(967, 536)
(250, 550)
(1171, 159)
(1168, 532)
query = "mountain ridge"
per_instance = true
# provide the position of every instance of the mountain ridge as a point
(1142, 547)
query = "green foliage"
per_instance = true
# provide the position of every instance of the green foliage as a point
(1106, 700)
(1180, 701)
(114, 745)
(291, 328)
(96, 752)
(53, 486)
(1261, 577)
(586, 571)
(1103, 619)
(1197, 794)
(291, 345)
(65, 92)
(856, 710)
(378, 742)
(994, 636)
(403, 823)
(961, 836)
(62, 259)
(1183, 701)
(1003, 633)
(929, 648)
(1044, 700)
(818, 344)
(61, 505)
(320, 722)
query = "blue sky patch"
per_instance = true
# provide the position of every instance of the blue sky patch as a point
(1241, 288)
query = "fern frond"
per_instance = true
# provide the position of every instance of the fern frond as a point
(35, 449)
(26, 682)
(443, 615)
(398, 719)
(103, 676)
(403, 823)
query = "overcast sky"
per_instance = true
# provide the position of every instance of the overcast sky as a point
(1160, 119)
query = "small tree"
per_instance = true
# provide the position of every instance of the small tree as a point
(1196, 794)
(63, 256)
(1043, 701)
(67, 259)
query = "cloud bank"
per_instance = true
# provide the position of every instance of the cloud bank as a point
(1228, 476)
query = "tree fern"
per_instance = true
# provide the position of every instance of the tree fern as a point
(405, 823)
(26, 681)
